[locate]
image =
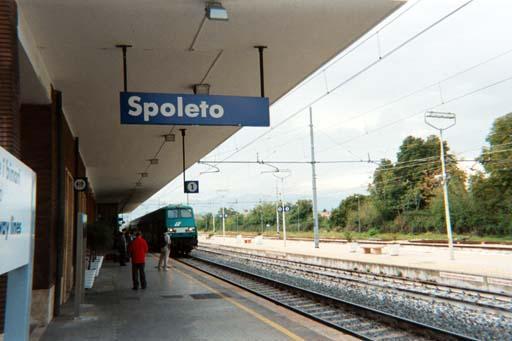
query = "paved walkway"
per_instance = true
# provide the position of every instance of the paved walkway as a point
(180, 304)
(486, 263)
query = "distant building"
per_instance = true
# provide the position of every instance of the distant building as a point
(325, 214)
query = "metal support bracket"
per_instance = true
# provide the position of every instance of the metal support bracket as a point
(124, 47)
(262, 72)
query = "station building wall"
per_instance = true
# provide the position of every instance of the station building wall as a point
(50, 149)
(40, 136)
(9, 100)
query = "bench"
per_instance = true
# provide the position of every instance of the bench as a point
(376, 249)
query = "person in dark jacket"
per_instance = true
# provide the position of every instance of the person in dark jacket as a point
(122, 247)
(138, 249)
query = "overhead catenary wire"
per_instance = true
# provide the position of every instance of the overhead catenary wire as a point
(422, 89)
(410, 94)
(355, 75)
(351, 49)
(392, 123)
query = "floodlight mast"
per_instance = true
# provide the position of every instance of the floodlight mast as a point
(452, 117)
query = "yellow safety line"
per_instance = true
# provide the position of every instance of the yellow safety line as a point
(260, 317)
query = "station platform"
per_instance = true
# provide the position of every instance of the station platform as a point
(476, 269)
(180, 304)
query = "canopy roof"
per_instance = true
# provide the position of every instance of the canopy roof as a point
(71, 44)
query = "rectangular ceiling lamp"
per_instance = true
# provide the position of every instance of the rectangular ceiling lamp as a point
(169, 137)
(215, 11)
(202, 89)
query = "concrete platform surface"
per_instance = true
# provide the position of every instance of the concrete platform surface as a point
(481, 263)
(180, 304)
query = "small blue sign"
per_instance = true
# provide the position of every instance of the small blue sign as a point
(184, 109)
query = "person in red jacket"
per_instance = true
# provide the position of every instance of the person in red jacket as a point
(138, 249)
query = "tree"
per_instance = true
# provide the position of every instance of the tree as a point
(301, 214)
(491, 193)
(339, 214)
(497, 158)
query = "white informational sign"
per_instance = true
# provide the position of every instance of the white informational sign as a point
(17, 212)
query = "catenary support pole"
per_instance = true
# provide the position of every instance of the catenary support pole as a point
(313, 180)
(277, 209)
(284, 220)
(358, 214)
(261, 217)
(223, 223)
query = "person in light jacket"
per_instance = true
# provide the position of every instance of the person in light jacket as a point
(165, 246)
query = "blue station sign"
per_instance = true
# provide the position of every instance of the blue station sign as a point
(185, 109)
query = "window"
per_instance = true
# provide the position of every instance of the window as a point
(180, 213)
(186, 213)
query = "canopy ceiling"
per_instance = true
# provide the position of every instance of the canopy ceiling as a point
(75, 41)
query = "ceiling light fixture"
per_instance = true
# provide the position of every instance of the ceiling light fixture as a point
(169, 137)
(143, 174)
(215, 11)
(153, 161)
(202, 89)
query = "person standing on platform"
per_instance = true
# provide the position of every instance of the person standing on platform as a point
(128, 238)
(122, 246)
(138, 249)
(165, 244)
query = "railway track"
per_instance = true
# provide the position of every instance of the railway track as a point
(480, 298)
(359, 321)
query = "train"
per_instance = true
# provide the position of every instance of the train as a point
(176, 220)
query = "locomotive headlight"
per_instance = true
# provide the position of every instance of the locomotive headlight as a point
(173, 230)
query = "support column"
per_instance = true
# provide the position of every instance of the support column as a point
(9, 100)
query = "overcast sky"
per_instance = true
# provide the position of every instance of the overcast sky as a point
(452, 64)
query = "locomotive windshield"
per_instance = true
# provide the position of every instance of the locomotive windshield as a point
(180, 213)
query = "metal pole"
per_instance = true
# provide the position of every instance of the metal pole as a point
(277, 209)
(123, 47)
(284, 222)
(313, 179)
(261, 216)
(213, 218)
(183, 131)
(453, 118)
(445, 195)
(358, 214)
(223, 223)
(79, 268)
(298, 216)
(125, 71)
(262, 73)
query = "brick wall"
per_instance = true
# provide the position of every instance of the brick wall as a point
(9, 94)
(38, 152)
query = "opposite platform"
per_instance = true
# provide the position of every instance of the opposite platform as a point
(485, 269)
